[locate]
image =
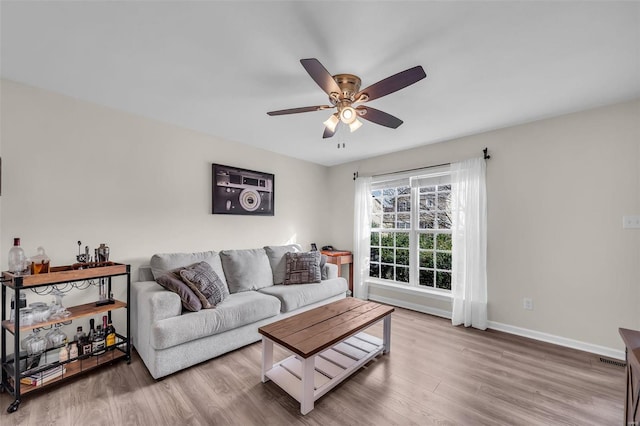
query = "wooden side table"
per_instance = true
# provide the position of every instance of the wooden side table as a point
(341, 258)
(631, 340)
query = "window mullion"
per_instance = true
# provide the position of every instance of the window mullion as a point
(414, 238)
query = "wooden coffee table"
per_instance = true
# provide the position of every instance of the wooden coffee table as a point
(328, 346)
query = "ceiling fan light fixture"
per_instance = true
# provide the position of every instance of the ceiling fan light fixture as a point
(332, 122)
(355, 125)
(348, 115)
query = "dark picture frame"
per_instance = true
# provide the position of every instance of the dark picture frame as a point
(240, 191)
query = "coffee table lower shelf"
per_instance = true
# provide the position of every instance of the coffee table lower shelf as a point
(330, 367)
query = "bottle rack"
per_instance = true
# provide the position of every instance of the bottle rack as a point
(12, 368)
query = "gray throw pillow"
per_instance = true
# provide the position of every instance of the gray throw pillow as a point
(172, 282)
(163, 262)
(323, 271)
(205, 283)
(302, 268)
(246, 269)
(277, 260)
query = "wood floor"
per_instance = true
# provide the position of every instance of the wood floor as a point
(435, 374)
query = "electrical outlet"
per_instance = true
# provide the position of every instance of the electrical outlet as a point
(629, 222)
(527, 303)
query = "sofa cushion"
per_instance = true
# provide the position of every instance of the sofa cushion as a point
(164, 262)
(323, 270)
(246, 269)
(298, 295)
(302, 268)
(277, 260)
(205, 283)
(172, 281)
(235, 311)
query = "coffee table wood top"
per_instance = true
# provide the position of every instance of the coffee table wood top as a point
(318, 329)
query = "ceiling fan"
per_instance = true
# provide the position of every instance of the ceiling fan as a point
(344, 92)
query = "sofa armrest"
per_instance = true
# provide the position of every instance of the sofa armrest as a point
(150, 303)
(331, 270)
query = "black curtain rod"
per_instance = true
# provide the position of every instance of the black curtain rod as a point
(484, 151)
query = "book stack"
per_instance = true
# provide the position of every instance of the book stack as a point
(43, 377)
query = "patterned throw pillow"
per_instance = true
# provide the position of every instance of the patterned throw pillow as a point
(205, 283)
(302, 268)
(323, 272)
(171, 281)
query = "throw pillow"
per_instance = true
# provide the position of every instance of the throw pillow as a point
(277, 260)
(164, 262)
(302, 268)
(246, 269)
(323, 271)
(172, 282)
(205, 283)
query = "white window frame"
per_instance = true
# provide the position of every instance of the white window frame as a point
(414, 180)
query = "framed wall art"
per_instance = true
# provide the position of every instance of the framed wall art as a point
(242, 192)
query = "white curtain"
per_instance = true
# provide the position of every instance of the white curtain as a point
(361, 236)
(469, 233)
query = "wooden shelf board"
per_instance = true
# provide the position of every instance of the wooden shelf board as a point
(62, 274)
(77, 367)
(79, 311)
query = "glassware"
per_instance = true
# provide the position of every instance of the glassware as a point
(36, 344)
(26, 317)
(41, 312)
(22, 303)
(25, 342)
(56, 337)
(57, 310)
(40, 262)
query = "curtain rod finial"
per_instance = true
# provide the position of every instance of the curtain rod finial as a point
(486, 153)
(355, 175)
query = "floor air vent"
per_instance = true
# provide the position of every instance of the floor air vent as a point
(613, 362)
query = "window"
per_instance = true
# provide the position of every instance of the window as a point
(411, 230)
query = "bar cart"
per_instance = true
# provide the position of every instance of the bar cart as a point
(16, 371)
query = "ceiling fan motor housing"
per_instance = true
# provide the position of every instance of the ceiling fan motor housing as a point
(349, 85)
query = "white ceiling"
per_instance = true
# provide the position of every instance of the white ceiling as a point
(218, 67)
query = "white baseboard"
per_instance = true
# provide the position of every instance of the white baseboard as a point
(531, 334)
(558, 340)
(412, 306)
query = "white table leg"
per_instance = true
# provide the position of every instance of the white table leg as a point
(267, 358)
(386, 323)
(308, 373)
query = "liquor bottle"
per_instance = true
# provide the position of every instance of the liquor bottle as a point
(63, 354)
(73, 351)
(111, 336)
(79, 339)
(88, 347)
(17, 260)
(98, 342)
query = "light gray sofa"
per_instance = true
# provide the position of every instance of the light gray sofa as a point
(169, 338)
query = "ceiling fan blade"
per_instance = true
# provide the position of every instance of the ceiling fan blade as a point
(393, 83)
(320, 75)
(328, 133)
(298, 110)
(378, 117)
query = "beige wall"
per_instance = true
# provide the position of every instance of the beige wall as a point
(557, 191)
(73, 171)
